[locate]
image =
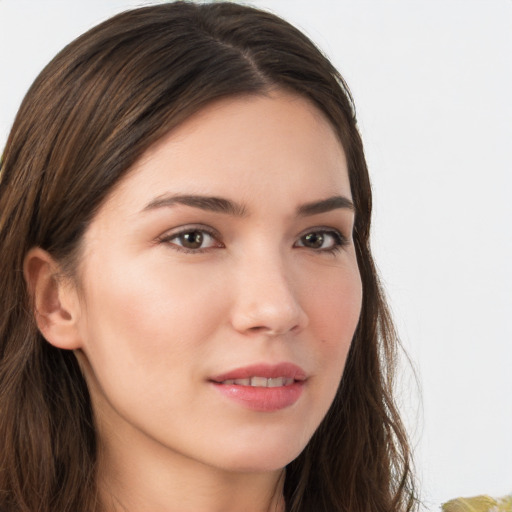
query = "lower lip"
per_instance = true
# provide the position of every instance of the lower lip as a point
(262, 399)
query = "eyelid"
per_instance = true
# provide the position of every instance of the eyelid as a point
(323, 229)
(169, 235)
(342, 240)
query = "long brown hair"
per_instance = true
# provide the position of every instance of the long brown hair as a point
(91, 113)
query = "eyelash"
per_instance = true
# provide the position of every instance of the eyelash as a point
(339, 241)
(168, 239)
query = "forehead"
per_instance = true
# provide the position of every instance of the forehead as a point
(257, 146)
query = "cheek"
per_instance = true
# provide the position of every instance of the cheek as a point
(146, 332)
(334, 313)
(147, 320)
(335, 306)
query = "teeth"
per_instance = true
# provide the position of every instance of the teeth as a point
(279, 381)
(261, 382)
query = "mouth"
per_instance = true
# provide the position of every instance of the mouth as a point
(262, 388)
(260, 382)
(263, 374)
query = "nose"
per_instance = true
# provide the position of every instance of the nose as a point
(267, 301)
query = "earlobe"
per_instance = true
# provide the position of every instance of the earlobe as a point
(55, 301)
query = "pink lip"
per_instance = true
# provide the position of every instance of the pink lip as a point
(269, 371)
(263, 399)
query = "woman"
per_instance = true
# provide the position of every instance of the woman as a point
(190, 318)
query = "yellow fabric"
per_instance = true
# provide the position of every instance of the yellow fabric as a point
(479, 504)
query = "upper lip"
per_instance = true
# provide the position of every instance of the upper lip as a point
(269, 371)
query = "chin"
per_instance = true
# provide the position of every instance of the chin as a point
(262, 457)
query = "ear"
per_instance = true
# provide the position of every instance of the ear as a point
(55, 300)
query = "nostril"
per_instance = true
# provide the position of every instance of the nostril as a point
(269, 331)
(258, 328)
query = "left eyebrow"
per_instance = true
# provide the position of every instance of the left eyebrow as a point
(325, 205)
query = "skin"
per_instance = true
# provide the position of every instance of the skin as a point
(152, 321)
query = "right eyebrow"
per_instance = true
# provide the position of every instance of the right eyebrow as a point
(209, 203)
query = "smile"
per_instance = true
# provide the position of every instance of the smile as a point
(263, 375)
(261, 382)
(262, 387)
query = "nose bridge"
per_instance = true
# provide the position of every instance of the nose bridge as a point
(267, 298)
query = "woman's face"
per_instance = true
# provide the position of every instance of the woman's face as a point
(220, 289)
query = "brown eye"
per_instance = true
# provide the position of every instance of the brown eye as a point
(191, 240)
(313, 240)
(322, 240)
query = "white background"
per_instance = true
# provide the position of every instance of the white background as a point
(432, 80)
